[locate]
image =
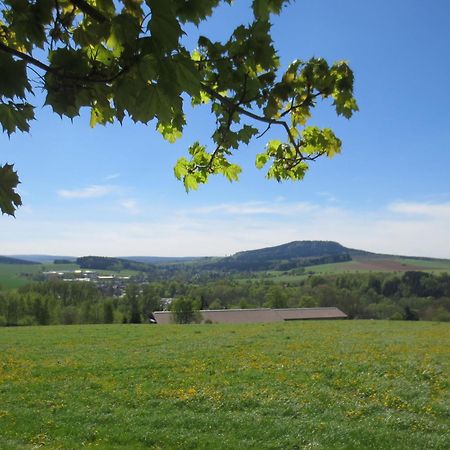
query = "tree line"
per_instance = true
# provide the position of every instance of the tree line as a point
(409, 296)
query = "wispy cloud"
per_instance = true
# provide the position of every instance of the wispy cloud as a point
(112, 176)
(327, 196)
(130, 205)
(439, 210)
(227, 228)
(92, 191)
(256, 208)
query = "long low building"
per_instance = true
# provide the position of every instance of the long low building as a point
(259, 315)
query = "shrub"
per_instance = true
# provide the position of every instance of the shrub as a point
(183, 310)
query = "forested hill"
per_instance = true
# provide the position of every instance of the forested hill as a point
(295, 249)
(161, 259)
(115, 264)
(285, 256)
(9, 260)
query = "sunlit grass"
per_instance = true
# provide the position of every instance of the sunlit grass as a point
(330, 385)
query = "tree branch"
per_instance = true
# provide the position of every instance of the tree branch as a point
(27, 58)
(309, 98)
(252, 115)
(89, 10)
(264, 132)
(55, 71)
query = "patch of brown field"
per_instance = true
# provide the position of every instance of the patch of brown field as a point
(384, 265)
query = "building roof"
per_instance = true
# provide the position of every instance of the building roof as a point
(311, 313)
(258, 315)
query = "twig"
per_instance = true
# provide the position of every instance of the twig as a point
(89, 10)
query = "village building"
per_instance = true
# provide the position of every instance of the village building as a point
(257, 315)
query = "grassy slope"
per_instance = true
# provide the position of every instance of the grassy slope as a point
(11, 275)
(432, 265)
(429, 265)
(291, 385)
(357, 265)
(16, 275)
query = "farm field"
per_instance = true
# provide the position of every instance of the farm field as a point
(428, 265)
(321, 385)
(16, 275)
(393, 264)
(359, 265)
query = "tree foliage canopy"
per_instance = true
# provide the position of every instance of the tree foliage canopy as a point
(128, 58)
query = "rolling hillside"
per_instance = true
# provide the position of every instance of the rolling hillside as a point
(325, 257)
(285, 257)
(283, 262)
(12, 260)
(43, 259)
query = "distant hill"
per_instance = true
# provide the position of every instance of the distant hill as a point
(284, 257)
(295, 249)
(304, 254)
(115, 264)
(161, 259)
(44, 259)
(12, 260)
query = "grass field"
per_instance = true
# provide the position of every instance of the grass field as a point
(321, 385)
(366, 265)
(16, 275)
(429, 265)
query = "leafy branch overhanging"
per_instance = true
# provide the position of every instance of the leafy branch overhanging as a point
(127, 59)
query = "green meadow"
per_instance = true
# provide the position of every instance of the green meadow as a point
(427, 264)
(16, 275)
(294, 385)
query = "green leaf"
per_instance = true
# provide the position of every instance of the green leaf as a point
(93, 33)
(273, 146)
(203, 8)
(317, 140)
(272, 107)
(261, 160)
(232, 172)
(164, 26)
(15, 117)
(101, 54)
(106, 7)
(124, 30)
(70, 62)
(246, 133)
(126, 92)
(151, 102)
(9, 198)
(101, 113)
(190, 182)
(66, 100)
(181, 168)
(14, 80)
(170, 132)
(262, 8)
(148, 67)
(44, 11)
(188, 77)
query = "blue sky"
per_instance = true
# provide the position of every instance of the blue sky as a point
(111, 190)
